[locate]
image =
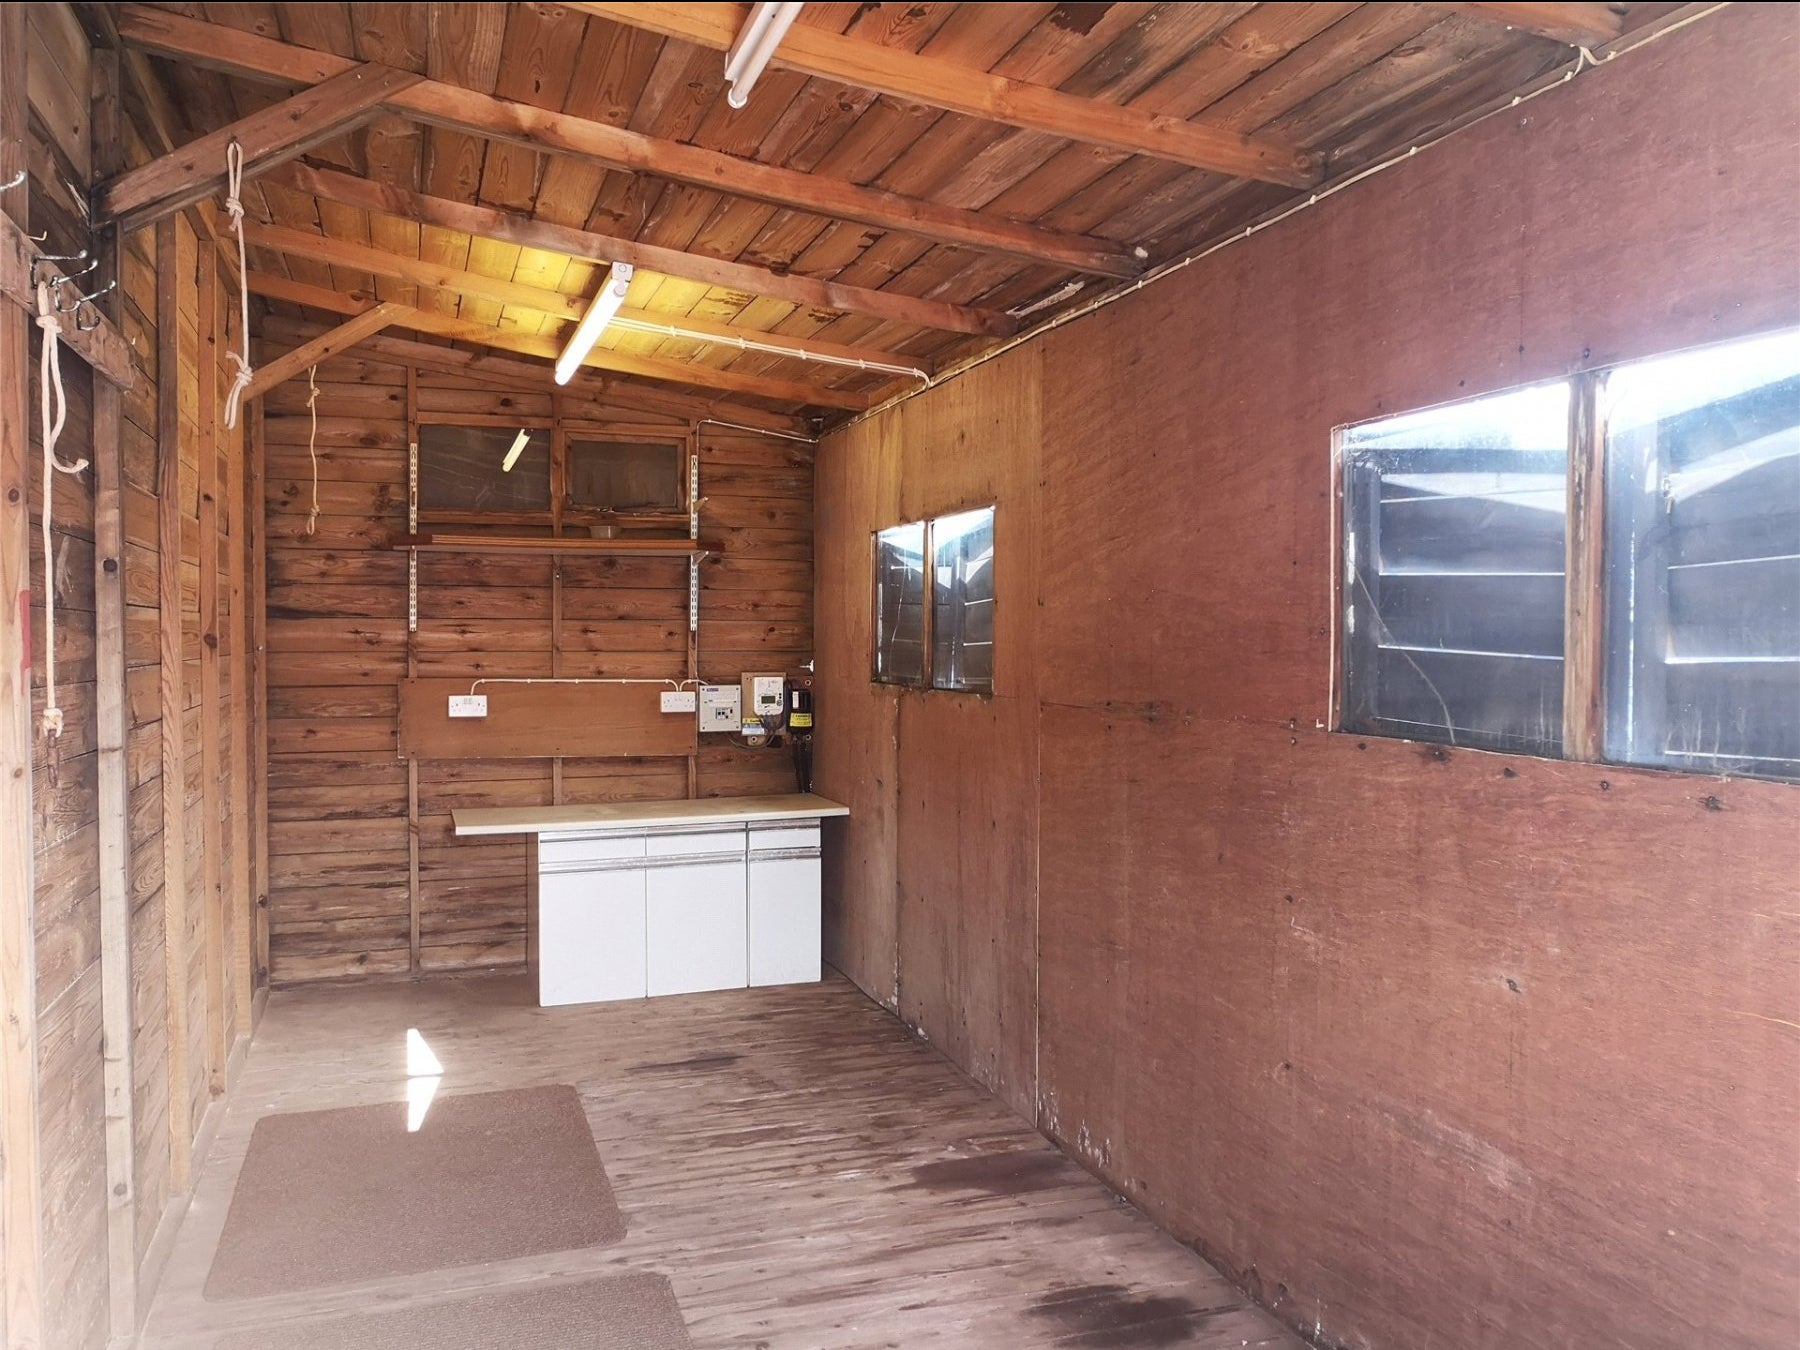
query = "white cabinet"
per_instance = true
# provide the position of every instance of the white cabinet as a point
(697, 926)
(590, 925)
(784, 905)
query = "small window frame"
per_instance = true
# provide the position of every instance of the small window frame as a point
(927, 678)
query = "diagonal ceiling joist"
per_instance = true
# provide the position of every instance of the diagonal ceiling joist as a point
(1578, 24)
(144, 195)
(243, 54)
(977, 93)
(488, 222)
(538, 300)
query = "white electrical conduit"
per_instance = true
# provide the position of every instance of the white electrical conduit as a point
(50, 388)
(746, 344)
(234, 207)
(579, 679)
(756, 43)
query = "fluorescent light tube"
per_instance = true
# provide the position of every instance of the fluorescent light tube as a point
(518, 448)
(607, 302)
(756, 43)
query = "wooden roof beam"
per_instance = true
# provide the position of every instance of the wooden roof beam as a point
(436, 103)
(364, 258)
(509, 227)
(1579, 25)
(165, 185)
(322, 348)
(977, 93)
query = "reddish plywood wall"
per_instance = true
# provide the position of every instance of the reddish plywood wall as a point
(1424, 1046)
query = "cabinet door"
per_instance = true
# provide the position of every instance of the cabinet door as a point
(591, 936)
(784, 920)
(698, 931)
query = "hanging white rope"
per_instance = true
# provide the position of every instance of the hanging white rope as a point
(312, 445)
(234, 184)
(50, 394)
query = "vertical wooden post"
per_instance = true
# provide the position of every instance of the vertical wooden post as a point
(241, 902)
(112, 726)
(559, 493)
(21, 1211)
(174, 738)
(1584, 626)
(254, 524)
(213, 915)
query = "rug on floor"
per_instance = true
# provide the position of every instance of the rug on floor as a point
(338, 1197)
(621, 1312)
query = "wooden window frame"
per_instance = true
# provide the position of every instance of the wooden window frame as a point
(927, 681)
(1584, 571)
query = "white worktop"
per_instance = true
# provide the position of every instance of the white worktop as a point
(643, 815)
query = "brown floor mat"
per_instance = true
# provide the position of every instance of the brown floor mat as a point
(339, 1197)
(624, 1312)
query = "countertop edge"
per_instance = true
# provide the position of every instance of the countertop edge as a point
(475, 821)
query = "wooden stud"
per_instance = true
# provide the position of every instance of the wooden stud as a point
(413, 905)
(21, 1210)
(268, 136)
(212, 916)
(104, 347)
(487, 222)
(322, 348)
(936, 83)
(1580, 25)
(112, 724)
(1584, 615)
(435, 103)
(252, 501)
(174, 739)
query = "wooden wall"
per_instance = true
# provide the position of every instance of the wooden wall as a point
(349, 896)
(1423, 1045)
(149, 556)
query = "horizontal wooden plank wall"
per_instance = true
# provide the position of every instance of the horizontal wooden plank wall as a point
(340, 866)
(77, 1274)
(1426, 1046)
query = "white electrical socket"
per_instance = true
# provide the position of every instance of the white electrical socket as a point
(468, 705)
(678, 700)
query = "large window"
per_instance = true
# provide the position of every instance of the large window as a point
(470, 469)
(1463, 591)
(941, 635)
(628, 476)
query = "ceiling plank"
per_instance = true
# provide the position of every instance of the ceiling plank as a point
(322, 348)
(977, 93)
(1577, 24)
(247, 55)
(513, 228)
(381, 263)
(144, 195)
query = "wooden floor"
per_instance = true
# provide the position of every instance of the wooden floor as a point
(806, 1173)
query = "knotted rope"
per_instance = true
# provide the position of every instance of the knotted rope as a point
(312, 443)
(50, 394)
(234, 183)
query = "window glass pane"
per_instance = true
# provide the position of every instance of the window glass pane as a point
(962, 619)
(463, 469)
(900, 605)
(1703, 559)
(1453, 572)
(625, 475)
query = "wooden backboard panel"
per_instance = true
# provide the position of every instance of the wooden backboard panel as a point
(531, 720)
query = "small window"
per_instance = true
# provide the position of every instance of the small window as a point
(900, 605)
(1703, 559)
(627, 476)
(1453, 572)
(468, 469)
(962, 619)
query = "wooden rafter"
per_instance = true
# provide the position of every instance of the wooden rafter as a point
(364, 258)
(327, 345)
(436, 103)
(142, 196)
(1577, 24)
(511, 227)
(978, 93)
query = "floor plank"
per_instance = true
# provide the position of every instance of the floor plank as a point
(806, 1172)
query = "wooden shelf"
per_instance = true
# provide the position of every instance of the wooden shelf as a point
(439, 542)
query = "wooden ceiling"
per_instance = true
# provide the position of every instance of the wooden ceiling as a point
(908, 184)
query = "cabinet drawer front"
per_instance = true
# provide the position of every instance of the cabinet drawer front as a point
(797, 841)
(722, 843)
(563, 850)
